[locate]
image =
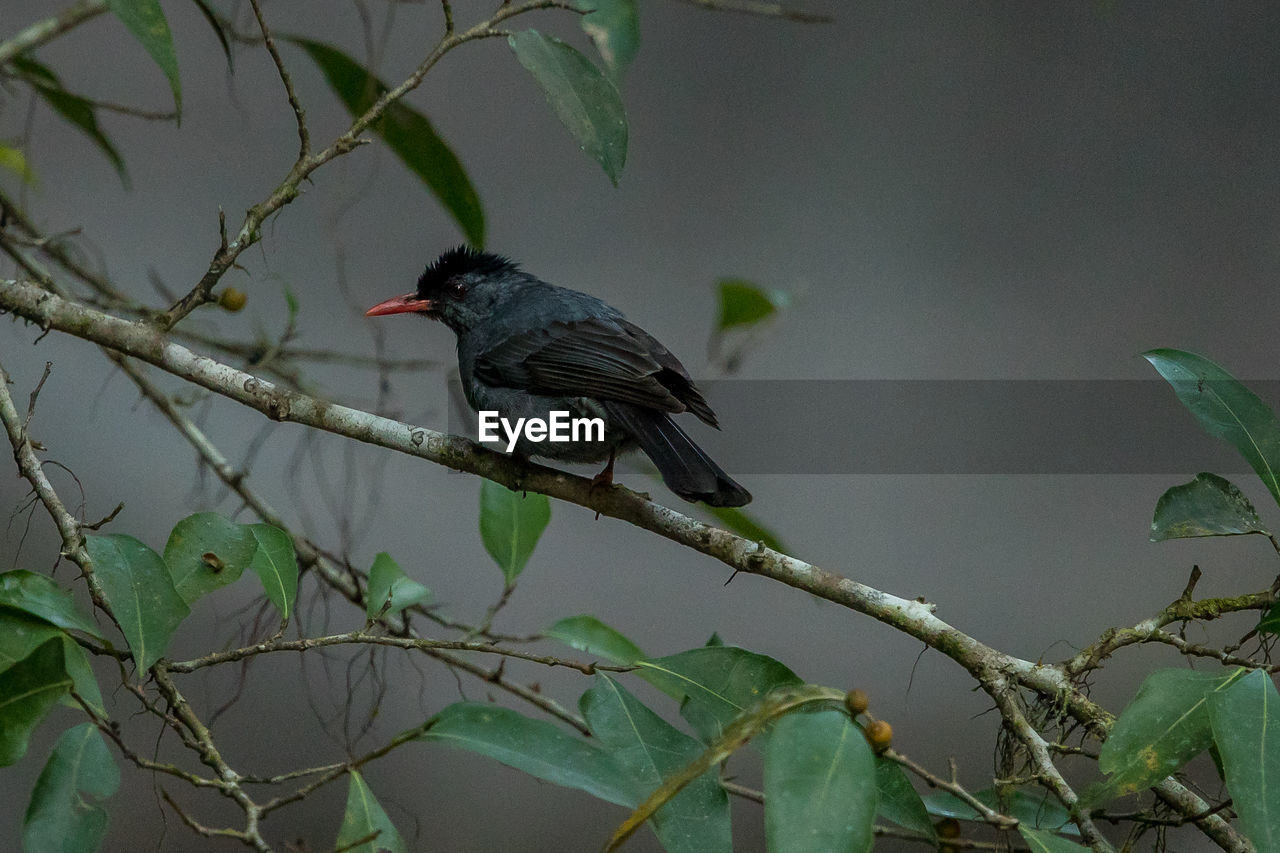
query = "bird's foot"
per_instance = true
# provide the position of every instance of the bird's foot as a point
(604, 479)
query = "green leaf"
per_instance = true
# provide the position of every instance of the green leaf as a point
(365, 817)
(20, 635)
(717, 682)
(1207, 506)
(28, 689)
(614, 27)
(1246, 727)
(276, 565)
(43, 598)
(1270, 623)
(1225, 408)
(12, 159)
(206, 552)
(647, 749)
(73, 108)
(819, 785)
(62, 816)
(744, 303)
(743, 524)
(1034, 808)
(900, 802)
(408, 133)
(1041, 841)
(140, 591)
(583, 99)
(536, 747)
(146, 21)
(1164, 727)
(587, 633)
(391, 588)
(510, 524)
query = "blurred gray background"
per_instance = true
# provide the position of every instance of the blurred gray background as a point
(952, 191)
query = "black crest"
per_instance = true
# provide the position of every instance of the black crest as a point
(461, 261)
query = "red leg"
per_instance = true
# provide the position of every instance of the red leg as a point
(605, 477)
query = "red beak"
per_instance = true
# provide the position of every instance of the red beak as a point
(409, 303)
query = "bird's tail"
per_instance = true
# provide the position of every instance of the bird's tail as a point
(685, 468)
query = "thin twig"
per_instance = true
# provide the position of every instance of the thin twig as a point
(50, 28)
(985, 812)
(299, 115)
(212, 757)
(365, 638)
(73, 545)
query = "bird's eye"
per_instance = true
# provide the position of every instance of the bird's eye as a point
(457, 289)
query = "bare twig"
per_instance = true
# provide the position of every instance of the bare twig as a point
(1183, 609)
(73, 547)
(300, 116)
(366, 638)
(985, 812)
(50, 28)
(206, 831)
(212, 757)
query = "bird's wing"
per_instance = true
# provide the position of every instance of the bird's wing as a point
(604, 358)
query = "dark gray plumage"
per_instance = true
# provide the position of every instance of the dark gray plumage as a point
(526, 348)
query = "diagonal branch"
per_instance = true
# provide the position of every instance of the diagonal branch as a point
(73, 546)
(50, 28)
(1000, 674)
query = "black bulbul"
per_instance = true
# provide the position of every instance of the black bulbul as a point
(527, 348)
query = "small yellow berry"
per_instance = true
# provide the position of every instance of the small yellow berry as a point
(879, 735)
(232, 300)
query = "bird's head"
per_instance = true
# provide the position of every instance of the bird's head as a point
(459, 289)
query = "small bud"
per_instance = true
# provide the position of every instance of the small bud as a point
(879, 735)
(232, 300)
(856, 701)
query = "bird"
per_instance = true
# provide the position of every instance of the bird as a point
(527, 348)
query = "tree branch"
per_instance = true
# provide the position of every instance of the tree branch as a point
(366, 638)
(299, 115)
(996, 671)
(73, 547)
(50, 28)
